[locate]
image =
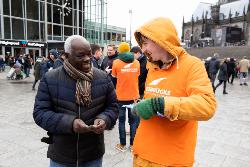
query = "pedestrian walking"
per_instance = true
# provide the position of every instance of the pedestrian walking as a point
(231, 69)
(75, 103)
(37, 69)
(177, 95)
(223, 76)
(214, 66)
(244, 66)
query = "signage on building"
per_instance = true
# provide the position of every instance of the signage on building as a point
(22, 44)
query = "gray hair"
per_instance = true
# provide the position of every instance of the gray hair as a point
(68, 42)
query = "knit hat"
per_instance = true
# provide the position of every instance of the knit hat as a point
(124, 53)
(54, 52)
(123, 47)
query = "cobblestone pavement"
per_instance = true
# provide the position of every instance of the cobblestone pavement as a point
(223, 141)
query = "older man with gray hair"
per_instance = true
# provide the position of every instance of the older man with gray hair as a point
(75, 103)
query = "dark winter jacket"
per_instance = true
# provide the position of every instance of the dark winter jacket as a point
(214, 65)
(37, 69)
(95, 63)
(143, 74)
(231, 65)
(44, 67)
(55, 110)
(58, 63)
(223, 72)
(108, 62)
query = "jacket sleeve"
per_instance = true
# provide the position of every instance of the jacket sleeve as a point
(45, 117)
(111, 112)
(200, 103)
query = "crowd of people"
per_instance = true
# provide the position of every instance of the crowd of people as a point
(163, 89)
(226, 71)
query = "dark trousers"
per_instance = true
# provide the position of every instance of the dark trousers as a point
(133, 123)
(212, 78)
(232, 73)
(34, 84)
(224, 86)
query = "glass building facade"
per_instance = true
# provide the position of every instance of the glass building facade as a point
(39, 25)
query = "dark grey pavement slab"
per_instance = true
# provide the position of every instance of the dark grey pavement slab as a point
(223, 141)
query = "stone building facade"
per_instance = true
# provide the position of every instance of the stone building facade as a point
(225, 23)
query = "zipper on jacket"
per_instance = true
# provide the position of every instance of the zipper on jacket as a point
(77, 143)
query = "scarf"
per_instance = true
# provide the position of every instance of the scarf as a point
(83, 83)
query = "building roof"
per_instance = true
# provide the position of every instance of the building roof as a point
(201, 9)
(236, 8)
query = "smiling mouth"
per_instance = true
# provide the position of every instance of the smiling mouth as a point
(148, 54)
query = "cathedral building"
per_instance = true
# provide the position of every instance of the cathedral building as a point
(226, 23)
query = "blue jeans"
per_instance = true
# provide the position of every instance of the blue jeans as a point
(132, 120)
(94, 163)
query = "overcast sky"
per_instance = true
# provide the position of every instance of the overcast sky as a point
(145, 10)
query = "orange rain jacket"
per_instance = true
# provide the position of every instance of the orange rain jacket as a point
(171, 140)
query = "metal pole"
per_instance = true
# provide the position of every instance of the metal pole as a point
(102, 21)
(46, 26)
(130, 32)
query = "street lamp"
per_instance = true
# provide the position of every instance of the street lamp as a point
(130, 21)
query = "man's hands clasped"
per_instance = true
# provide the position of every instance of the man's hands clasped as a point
(80, 127)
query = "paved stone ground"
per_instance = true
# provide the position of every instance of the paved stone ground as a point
(223, 141)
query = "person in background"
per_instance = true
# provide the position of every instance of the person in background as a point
(223, 76)
(108, 61)
(75, 104)
(126, 69)
(53, 55)
(136, 50)
(231, 65)
(207, 61)
(59, 61)
(27, 65)
(244, 66)
(96, 55)
(2, 64)
(177, 95)
(214, 66)
(37, 69)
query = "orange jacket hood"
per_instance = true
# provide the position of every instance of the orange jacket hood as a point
(163, 32)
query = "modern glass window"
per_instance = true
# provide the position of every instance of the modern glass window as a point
(6, 7)
(42, 11)
(7, 28)
(68, 31)
(80, 19)
(17, 29)
(68, 18)
(49, 13)
(57, 14)
(42, 31)
(32, 30)
(0, 29)
(57, 30)
(17, 8)
(32, 9)
(49, 29)
(57, 2)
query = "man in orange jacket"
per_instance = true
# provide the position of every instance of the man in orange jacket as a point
(177, 94)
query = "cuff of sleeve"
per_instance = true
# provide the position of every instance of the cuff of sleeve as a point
(172, 108)
(68, 126)
(106, 119)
